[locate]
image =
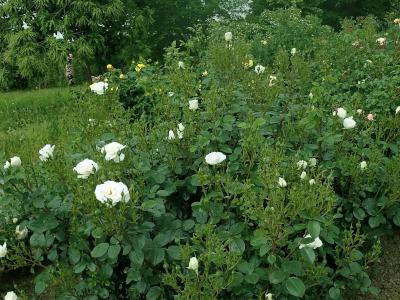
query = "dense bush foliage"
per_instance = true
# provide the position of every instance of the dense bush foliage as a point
(293, 207)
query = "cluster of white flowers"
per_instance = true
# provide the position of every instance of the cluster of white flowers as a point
(179, 132)
(348, 122)
(14, 162)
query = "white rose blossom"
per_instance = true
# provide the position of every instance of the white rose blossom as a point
(58, 35)
(15, 161)
(312, 162)
(181, 65)
(282, 182)
(381, 41)
(85, 168)
(171, 135)
(341, 112)
(259, 69)
(349, 123)
(99, 87)
(301, 164)
(303, 175)
(180, 130)
(228, 36)
(3, 250)
(194, 264)
(268, 296)
(11, 296)
(111, 192)
(293, 51)
(193, 104)
(21, 233)
(272, 80)
(311, 181)
(171, 94)
(7, 165)
(363, 165)
(313, 245)
(113, 152)
(215, 158)
(46, 152)
(397, 109)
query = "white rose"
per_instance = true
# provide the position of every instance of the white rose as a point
(363, 165)
(99, 87)
(15, 161)
(301, 164)
(314, 244)
(359, 111)
(310, 95)
(303, 175)
(312, 162)
(25, 26)
(228, 36)
(259, 69)
(341, 112)
(180, 130)
(268, 296)
(193, 104)
(282, 182)
(171, 135)
(381, 41)
(181, 65)
(3, 250)
(171, 94)
(397, 109)
(6, 165)
(113, 152)
(272, 80)
(46, 152)
(215, 158)
(14, 220)
(312, 181)
(293, 51)
(349, 123)
(21, 234)
(58, 35)
(194, 264)
(11, 296)
(85, 168)
(111, 191)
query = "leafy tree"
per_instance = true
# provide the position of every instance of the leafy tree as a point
(93, 31)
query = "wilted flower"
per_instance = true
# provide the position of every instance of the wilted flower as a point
(259, 69)
(381, 41)
(193, 104)
(272, 80)
(349, 123)
(397, 109)
(139, 67)
(311, 181)
(85, 168)
(111, 191)
(268, 296)
(194, 264)
(312, 162)
(293, 51)
(370, 117)
(303, 175)
(356, 44)
(181, 65)
(113, 151)
(314, 244)
(180, 130)
(11, 296)
(171, 135)
(21, 234)
(3, 250)
(99, 87)
(396, 21)
(363, 165)
(248, 64)
(228, 36)
(46, 152)
(58, 35)
(359, 111)
(301, 164)
(215, 158)
(341, 112)
(282, 182)
(205, 73)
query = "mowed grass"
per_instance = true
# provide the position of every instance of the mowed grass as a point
(57, 116)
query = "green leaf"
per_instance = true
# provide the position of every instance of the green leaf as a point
(314, 228)
(293, 267)
(154, 293)
(162, 239)
(396, 219)
(137, 257)
(156, 255)
(37, 240)
(359, 213)
(114, 251)
(308, 254)
(174, 252)
(99, 250)
(252, 278)
(74, 255)
(237, 246)
(277, 277)
(334, 293)
(295, 287)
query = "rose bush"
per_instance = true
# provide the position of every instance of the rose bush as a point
(254, 191)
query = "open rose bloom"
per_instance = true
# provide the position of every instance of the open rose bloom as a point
(111, 192)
